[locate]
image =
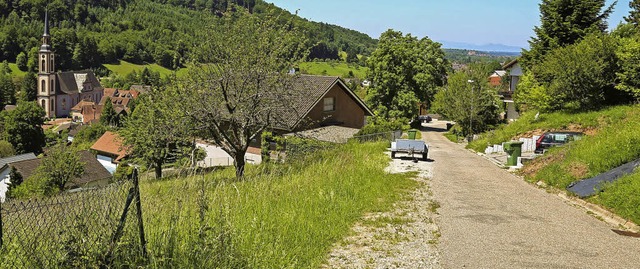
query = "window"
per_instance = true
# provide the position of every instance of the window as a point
(329, 104)
(44, 65)
(53, 85)
(64, 103)
(44, 105)
(43, 86)
(52, 104)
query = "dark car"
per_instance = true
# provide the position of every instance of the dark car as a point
(424, 118)
(551, 139)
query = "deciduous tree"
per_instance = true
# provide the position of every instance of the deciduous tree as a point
(23, 127)
(404, 70)
(469, 100)
(581, 76)
(61, 165)
(157, 130)
(243, 88)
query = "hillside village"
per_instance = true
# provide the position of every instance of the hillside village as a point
(240, 158)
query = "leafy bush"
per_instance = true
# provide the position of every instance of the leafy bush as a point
(381, 126)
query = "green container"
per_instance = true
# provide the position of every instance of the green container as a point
(514, 150)
(412, 134)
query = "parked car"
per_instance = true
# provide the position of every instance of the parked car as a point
(551, 139)
(424, 118)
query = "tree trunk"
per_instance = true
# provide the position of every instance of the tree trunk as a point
(158, 169)
(238, 162)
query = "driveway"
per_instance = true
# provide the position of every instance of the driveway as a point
(490, 218)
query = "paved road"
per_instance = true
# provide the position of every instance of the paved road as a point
(492, 219)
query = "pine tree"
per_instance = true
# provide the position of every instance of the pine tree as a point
(108, 116)
(564, 22)
(634, 13)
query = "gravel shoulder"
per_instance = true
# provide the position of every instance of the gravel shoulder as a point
(403, 238)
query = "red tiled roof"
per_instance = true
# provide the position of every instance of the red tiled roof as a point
(78, 107)
(110, 143)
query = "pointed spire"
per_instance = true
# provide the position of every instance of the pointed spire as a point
(46, 22)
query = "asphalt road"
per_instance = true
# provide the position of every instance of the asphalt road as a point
(490, 218)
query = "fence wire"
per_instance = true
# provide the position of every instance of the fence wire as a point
(92, 228)
(385, 136)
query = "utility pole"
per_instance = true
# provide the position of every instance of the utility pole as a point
(471, 81)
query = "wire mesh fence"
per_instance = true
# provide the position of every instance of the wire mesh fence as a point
(385, 136)
(94, 228)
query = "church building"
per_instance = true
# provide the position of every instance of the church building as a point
(58, 92)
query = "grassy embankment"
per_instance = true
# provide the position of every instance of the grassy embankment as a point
(285, 216)
(612, 141)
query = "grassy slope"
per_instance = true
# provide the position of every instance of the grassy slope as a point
(615, 141)
(124, 68)
(332, 69)
(15, 71)
(288, 220)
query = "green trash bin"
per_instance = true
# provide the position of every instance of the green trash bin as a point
(514, 150)
(412, 134)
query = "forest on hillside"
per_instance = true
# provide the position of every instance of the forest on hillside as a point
(89, 33)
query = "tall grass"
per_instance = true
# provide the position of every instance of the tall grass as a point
(551, 121)
(281, 216)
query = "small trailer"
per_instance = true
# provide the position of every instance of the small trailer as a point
(410, 147)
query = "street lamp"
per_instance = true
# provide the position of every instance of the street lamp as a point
(471, 81)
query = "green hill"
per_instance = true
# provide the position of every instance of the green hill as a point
(87, 34)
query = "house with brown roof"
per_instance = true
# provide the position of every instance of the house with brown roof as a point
(94, 173)
(324, 101)
(110, 150)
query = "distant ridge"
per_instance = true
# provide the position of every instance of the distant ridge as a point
(484, 47)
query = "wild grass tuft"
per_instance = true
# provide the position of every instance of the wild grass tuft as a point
(273, 219)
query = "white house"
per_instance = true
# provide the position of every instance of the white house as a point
(5, 169)
(514, 70)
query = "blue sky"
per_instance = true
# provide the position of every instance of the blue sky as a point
(469, 21)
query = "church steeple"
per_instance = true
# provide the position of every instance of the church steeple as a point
(46, 73)
(46, 38)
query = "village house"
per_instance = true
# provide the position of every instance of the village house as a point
(5, 169)
(110, 150)
(495, 79)
(89, 111)
(94, 174)
(26, 165)
(58, 92)
(515, 73)
(323, 101)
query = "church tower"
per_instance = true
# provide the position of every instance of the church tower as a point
(46, 74)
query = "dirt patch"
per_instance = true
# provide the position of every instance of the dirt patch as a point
(578, 169)
(531, 168)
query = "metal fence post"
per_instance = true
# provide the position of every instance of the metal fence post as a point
(143, 241)
(1, 225)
